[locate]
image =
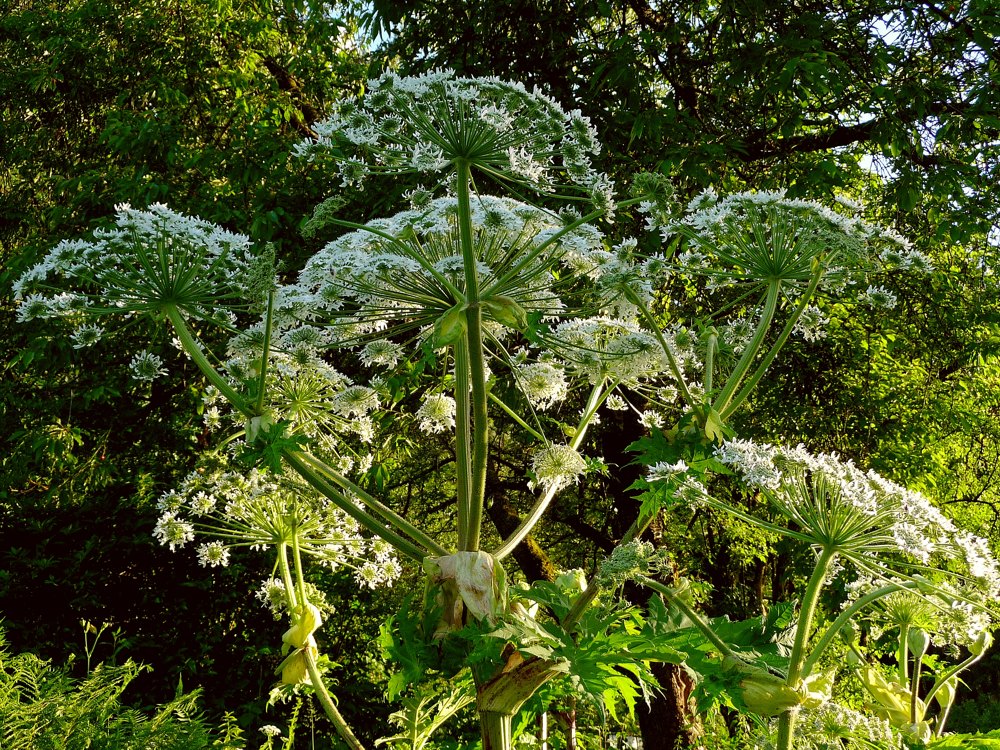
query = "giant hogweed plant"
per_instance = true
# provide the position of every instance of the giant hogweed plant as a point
(496, 295)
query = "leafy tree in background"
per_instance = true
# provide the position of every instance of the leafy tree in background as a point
(196, 104)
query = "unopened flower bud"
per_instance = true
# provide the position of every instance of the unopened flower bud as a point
(767, 695)
(918, 641)
(450, 326)
(507, 312)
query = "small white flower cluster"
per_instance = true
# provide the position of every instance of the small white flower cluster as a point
(864, 516)
(810, 324)
(257, 510)
(436, 413)
(557, 466)
(878, 296)
(146, 366)
(607, 349)
(424, 124)
(627, 561)
(543, 384)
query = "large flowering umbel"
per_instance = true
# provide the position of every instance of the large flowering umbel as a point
(149, 261)
(407, 272)
(424, 124)
(257, 510)
(750, 240)
(882, 528)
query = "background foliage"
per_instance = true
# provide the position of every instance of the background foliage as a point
(197, 105)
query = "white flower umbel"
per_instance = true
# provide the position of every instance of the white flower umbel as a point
(148, 261)
(261, 511)
(425, 124)
(436, 413)
(147, 366)
(832, 504)
(557, 466)
(404, 273)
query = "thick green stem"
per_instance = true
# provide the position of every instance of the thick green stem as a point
(712, 344)
(286, 577)
(750, 353)
(321, 485)
(463, 441)
(477, 362)
(918, 662)
(765, 363)
(797, 660)
(193, 349)
(329, 707)
(903, 653)
(939, 683)
(496, 730)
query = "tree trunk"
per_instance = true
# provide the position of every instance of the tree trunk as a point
(669, 722)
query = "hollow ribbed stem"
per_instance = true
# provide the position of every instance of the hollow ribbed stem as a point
(477, 362)
(286, 577)
(193, 349)
(797, 660)
(496, 730)
(463, 441)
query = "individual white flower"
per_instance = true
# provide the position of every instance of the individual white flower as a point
(86, 335)
(269, 730)
(381, 353)
(147, 366)
(615, 402)
(173, 531)
(557, 466)
(878, 296)
(272, 594)
(213, 554)
(436, 413)
(542, 383)
(355, 401)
